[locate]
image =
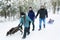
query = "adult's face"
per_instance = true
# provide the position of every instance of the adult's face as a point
(42, 7)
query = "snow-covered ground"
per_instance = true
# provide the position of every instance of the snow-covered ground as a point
(51, 32)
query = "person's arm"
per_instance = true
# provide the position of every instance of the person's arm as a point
(46, 13)
(29, 18)
(34, 14)
(20, 21)
(37, 13)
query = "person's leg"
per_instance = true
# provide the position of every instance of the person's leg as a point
(25, 30)
(33, 26)
(40, 22)
(28, 32)
(44, 22)
(29, 25)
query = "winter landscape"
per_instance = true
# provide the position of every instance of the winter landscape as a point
(10, 17)
(51, 32)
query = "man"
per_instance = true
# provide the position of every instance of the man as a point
(42, 12)
(31, 14)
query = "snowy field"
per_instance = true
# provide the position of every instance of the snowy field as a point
(51, 32)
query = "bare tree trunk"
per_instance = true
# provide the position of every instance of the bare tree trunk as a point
(54, 6)
(20, 9)
(54, 9)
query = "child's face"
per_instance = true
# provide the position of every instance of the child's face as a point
(22, 15)
(30, 8)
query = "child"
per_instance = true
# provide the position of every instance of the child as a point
(24, 19)
(31, 14)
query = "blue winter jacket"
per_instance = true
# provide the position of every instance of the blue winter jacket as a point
(31, 14)
(26, 24)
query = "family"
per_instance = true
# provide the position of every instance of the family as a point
(26, 20)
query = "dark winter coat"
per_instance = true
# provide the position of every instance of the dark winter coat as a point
(42, 13)
(31, 14)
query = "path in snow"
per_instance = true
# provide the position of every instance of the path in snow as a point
(51, 32)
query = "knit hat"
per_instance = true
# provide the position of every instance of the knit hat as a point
(22, 13)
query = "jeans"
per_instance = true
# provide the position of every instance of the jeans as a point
(40, 22)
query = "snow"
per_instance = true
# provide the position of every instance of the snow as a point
(51, 32)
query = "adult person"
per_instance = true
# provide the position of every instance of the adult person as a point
(42, 12)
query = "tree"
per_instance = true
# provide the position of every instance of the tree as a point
(54, 6)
